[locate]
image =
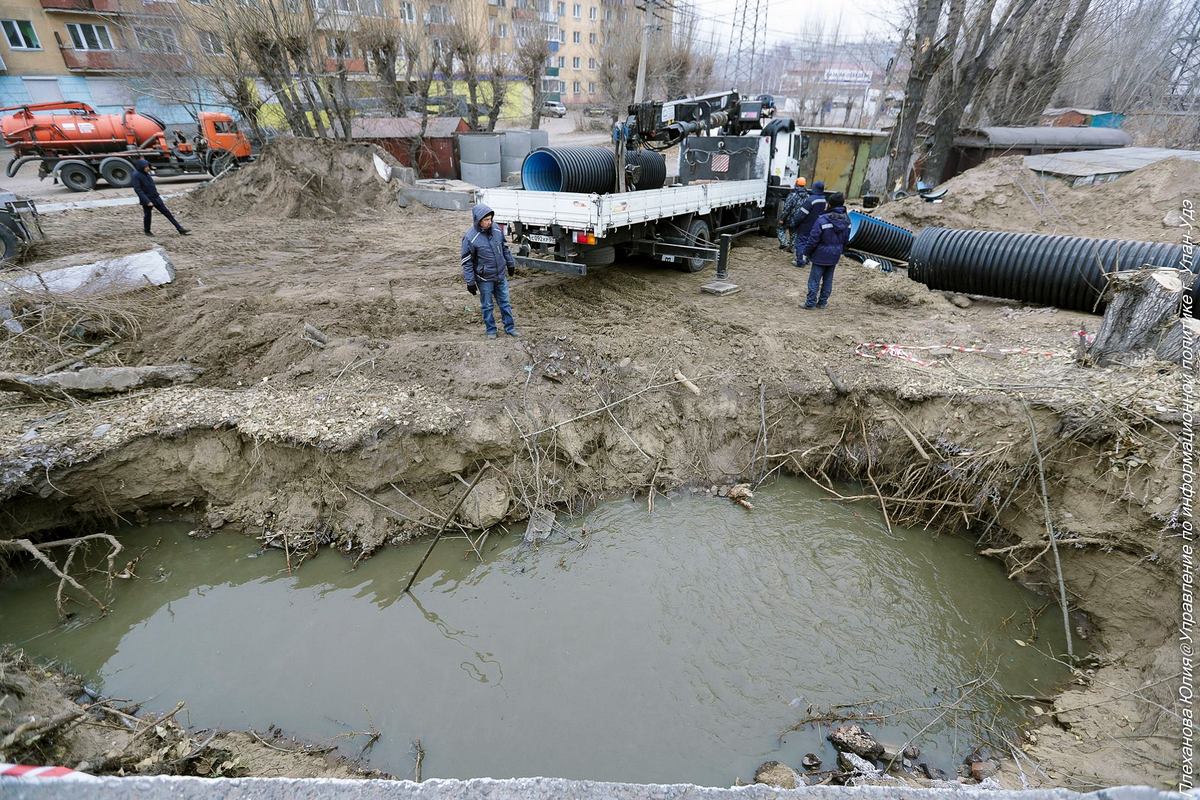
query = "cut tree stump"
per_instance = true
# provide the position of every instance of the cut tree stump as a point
(1142, 319)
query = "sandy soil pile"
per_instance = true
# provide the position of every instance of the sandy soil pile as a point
(304, 179)
(1003, 195)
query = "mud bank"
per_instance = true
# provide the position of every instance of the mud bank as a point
(391, 480)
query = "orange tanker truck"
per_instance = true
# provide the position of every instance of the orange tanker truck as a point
(70, 140)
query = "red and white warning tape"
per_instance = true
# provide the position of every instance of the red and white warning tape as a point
(23, 772)
(902, 352)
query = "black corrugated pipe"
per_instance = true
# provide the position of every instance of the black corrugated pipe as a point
(873, 235)
(653, 169)
(1062, 271)
(587, 169)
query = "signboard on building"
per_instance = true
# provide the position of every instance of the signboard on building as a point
(857, 77)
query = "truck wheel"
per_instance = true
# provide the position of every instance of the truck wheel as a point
(117, 171)
(77, 176)
(219, 161)
(600, 256)
(10, 244)
(698, 235)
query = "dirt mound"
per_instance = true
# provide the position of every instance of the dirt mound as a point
(1003, 195)
(305, 179)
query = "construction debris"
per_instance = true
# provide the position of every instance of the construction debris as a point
(110, 276)
(93, 381)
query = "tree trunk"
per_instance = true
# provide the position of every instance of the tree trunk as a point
(1142, 319)
(472, 77)
(923, 62)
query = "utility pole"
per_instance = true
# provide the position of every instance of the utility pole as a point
(640, 90)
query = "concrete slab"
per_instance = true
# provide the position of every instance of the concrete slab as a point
(1114, 162)
(169, 788)
(449, 196)
(110, 276)
(720, 288)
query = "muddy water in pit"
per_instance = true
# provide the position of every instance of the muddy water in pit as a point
(674, 647)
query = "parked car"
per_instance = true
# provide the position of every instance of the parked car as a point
(597, 111)
(553, 108)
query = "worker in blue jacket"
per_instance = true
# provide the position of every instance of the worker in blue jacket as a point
(805, 216)
(147, 193)
(824, 246)
(796, 196)
(487, 265)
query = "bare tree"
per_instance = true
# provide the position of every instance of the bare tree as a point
(963, 79)
(498, 66)
(1113, 65)
(381, 37)
(532, 53)
(927, 53)
(468, 39)
(421, 57)
(1035, 60)
(618, 51)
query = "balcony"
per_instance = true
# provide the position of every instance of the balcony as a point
(350, 64)
(83, 6)
(122, 61)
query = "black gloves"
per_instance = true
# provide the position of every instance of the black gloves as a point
(511, 270)
(472, 288)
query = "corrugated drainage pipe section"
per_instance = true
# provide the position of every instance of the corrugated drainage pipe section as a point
(1061, 271)
(586, 169)
(873, 235)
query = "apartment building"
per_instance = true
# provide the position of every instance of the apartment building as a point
(583, 26)
(104, 52)
(91, 51)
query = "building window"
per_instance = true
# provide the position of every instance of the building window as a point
(562, 9)
(157, 40)
(608, 15)
(210, 43)
(89, 37)
(591, 63)
(575, 62)
(21, 35)
(575, 37)
(591, 38)
(407, 13)
(498, 29)
(591, 87)
(575, 87)
(592, 13)
(562, 61)
(439, 14)
(336, 47)
(577, 11)
(370, 8)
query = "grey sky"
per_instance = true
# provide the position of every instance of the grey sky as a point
(796, 20)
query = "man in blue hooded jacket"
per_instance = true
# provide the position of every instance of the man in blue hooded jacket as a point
(147, 192)
(486, 267)
(805, 216)
(824, 246)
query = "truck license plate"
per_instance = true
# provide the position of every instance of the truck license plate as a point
(540, 238)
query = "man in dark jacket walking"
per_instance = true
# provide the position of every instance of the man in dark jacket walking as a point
(805, 216)
(147, 192)
(824, 245)
(486, 267)
(796, 196)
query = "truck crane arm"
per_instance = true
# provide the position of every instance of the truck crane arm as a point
(658, 125)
